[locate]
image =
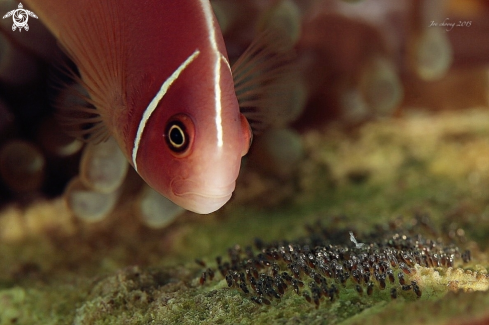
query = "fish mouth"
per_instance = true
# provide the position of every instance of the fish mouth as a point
(190, 197)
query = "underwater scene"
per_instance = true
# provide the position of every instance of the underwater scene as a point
(244, 162)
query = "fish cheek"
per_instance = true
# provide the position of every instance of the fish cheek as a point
(153, 161)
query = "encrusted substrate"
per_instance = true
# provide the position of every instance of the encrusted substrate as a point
(56, 270)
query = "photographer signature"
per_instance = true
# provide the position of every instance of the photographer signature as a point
(450, 25)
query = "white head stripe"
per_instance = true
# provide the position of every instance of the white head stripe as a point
(211, 31)
(154, 103)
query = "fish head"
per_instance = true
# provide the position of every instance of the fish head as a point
(193, 143)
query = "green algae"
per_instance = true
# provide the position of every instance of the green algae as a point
(121, 273)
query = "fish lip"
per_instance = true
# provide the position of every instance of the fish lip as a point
(199, 201)
(205, 196)
(202, 204)
(179, 188)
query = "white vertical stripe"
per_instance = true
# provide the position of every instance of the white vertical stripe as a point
(207, 9)
(154, 103)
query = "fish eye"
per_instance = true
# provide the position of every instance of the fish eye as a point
(177, 136)
(178, 133)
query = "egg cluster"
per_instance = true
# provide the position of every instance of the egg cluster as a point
(328, 260)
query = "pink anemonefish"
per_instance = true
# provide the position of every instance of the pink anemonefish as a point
(158, 75)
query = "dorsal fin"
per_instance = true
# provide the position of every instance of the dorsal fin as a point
(260, 79)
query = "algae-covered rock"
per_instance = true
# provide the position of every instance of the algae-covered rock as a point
(58, 270)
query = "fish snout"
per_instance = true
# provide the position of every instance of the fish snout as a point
(189, 195)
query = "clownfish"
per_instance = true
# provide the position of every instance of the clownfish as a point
(159, 78)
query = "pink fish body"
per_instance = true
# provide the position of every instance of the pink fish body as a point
(159, 76)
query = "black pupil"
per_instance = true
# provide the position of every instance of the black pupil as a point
(176, 136)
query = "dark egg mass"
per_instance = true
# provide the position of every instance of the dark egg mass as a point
(330, 260)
